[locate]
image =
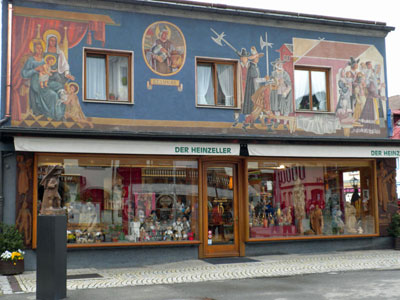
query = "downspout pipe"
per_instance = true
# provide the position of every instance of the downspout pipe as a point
(7, 115)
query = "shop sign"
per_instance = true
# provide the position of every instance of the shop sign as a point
(323, 151)
(204, 150)
(385, 153)
(68, 145)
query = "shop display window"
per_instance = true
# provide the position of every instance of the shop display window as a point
(126, 200)
(290, 198)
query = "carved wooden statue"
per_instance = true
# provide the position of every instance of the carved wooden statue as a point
(299, 202)
(24, 222)
(350, 218)
(317, 220)
(51, 203)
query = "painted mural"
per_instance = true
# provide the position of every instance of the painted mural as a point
(47, 84)
(44, 87)
(268, 100)
(164, 48)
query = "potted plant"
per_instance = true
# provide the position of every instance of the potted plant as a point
(11, 255)
(394, 230)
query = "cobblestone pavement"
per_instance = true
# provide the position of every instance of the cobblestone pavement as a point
(200, 270)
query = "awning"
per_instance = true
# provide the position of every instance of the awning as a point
(323, 151)
(70, 145)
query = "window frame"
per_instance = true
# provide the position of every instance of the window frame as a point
(107, 53)
(214, 62)
(327, 72)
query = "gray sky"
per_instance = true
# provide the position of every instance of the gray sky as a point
(382, 11)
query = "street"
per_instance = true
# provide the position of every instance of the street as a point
(375, 284)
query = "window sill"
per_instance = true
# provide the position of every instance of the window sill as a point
(218, 107)
(108, 101)
(322, 237)
(130, 244)
(315, 112)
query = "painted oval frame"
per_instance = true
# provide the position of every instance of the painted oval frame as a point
(175, 35)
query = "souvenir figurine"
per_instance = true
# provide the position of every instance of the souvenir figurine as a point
(184, 235)
(350, 218)
(299, 203)
(99, 237)
(265, 221)
(337, 222)
(177, 235)
(142, 234)
(316, 219)
(90, 237)
(71, 238)
(186, 224)
(134, 230)
(179, 207)
(168, 234)
(154, 216)
(178, 225)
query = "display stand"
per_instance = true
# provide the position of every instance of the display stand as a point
(51, 274)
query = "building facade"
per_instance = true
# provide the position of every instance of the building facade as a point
(186, 130)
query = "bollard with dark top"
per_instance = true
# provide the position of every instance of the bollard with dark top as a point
(51, 274)
(51, 254)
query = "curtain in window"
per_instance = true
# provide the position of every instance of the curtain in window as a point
(225, 78)
(319, 88)
(203, 85)
(302, 88)
(118, 78)
(96, 78)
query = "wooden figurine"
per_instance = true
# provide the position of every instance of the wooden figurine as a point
(350, 218)
(51, 203)
(317, 220)
(24, 221)
(299, 202)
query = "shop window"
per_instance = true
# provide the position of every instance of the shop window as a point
(126, 200)
(311, 89)
(306, 198)
(216, 83)
(108, 76)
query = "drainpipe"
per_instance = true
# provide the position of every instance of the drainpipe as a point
(8, 99)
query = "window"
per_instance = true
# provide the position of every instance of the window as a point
(122, 199)
(108, 76)
(311, 89)
(291, 198)
(216, 83)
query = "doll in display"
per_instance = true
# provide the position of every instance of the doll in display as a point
(179, 207)
(184, 235)
(142, 234)
(186, 224)
(178, 225)
(134, 230)
(168, 234)
(337, 222)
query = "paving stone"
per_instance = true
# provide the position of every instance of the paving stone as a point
(198, 270)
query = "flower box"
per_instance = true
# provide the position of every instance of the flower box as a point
(12, 267)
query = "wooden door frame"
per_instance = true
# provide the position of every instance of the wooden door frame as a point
(241, 201)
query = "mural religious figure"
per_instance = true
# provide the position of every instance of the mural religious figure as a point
(164, 48)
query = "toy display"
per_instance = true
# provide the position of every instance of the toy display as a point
(288, 199)
(126, 209)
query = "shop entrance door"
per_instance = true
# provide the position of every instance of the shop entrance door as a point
(220, 209)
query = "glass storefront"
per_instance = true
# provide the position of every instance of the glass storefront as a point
(125, 199)
(289, 198)
(133, 199)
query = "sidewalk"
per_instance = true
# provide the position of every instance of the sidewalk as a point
(213, 269)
